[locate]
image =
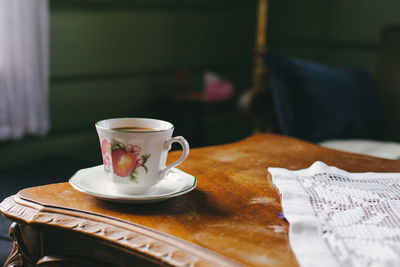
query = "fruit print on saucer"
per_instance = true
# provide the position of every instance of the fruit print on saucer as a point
(124, 160)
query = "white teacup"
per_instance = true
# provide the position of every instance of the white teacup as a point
(135, 150)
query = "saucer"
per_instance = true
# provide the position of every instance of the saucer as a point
(93, 181)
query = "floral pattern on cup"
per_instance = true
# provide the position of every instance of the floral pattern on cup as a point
(124, 160)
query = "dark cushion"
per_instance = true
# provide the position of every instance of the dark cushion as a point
(316, 102)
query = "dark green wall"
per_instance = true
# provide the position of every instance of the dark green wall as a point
(118, 58)
(338, 32)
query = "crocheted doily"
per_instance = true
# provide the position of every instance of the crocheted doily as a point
(339, 218)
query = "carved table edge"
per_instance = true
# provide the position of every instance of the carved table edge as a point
(144, 241)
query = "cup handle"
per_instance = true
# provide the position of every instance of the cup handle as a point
(167, 146)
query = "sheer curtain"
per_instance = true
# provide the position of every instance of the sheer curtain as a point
(24, 68)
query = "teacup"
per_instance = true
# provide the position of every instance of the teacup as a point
(135, 150)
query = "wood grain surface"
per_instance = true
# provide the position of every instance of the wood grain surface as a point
(231, 216)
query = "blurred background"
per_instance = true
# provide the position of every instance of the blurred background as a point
(149, 58)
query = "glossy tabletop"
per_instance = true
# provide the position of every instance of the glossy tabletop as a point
(230, 219)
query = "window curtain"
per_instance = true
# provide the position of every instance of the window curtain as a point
(24, 68)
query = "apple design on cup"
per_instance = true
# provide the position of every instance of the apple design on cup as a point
(124, 159)
(123, 162)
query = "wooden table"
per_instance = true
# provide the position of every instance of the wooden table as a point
(230, 219)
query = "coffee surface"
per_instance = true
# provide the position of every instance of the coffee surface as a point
(134, 129)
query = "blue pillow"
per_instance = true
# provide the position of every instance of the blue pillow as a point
(315, 102)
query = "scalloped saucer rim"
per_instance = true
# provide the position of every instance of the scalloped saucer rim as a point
(93, 181)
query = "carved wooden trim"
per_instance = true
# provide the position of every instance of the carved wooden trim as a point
(143, 241)
(78, 261)
(15, 257)
(19, 256)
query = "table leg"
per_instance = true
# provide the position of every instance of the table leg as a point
(19, 256)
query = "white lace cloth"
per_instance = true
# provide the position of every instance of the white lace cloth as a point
(339, 218)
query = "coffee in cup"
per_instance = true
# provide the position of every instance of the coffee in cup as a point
(134, 129)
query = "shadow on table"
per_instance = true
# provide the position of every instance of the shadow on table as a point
(195, 201)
